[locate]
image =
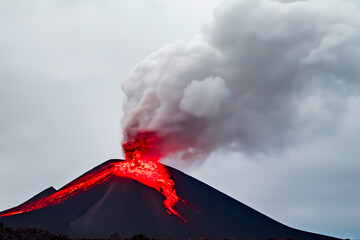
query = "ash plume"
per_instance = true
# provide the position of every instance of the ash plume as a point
(260, 76)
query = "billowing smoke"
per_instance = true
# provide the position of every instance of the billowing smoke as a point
(262, 74)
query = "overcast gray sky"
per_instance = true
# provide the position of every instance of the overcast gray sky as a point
(62, 64)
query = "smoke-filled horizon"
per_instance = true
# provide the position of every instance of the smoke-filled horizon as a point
(260, 76)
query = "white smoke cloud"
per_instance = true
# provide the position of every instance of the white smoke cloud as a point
(204, 99)
(262, 75)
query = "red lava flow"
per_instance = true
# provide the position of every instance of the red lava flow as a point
(141, 164)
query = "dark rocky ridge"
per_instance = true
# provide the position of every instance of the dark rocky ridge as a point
(128, 207)
(36, 234)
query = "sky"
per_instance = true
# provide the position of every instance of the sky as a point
(290, 70)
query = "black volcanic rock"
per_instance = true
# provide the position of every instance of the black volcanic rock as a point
(128, 207)
(40, 195)
(28, 234)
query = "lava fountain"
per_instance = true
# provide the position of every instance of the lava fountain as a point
(141, 164)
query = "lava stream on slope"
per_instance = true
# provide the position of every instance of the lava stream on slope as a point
(141, 165)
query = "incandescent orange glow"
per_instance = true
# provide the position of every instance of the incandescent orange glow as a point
(140, 164)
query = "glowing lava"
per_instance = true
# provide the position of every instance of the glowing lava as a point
(141, 165)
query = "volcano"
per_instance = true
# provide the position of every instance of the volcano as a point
(121, 204)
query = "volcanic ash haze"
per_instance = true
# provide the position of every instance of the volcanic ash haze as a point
(261, 75)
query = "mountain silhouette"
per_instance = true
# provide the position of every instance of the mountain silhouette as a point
(128, 207)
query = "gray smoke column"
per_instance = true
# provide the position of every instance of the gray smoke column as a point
(261, 75)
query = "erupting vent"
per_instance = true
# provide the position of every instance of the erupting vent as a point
(141, 164)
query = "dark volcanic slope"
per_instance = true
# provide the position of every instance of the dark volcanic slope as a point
(128, 207)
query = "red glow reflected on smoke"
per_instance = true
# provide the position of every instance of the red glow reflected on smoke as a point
(141, 164)
(144, 146)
